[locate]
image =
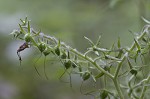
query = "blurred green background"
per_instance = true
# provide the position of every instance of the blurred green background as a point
(68, 20)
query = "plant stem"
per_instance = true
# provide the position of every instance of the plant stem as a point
(139, 38)
(34, 43)
(118, 88)
(92, 62)
(119, 66)
(115, 77)
(77, 53)
(144, 88)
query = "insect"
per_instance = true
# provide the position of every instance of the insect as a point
(21, 48)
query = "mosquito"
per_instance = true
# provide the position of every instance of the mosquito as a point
(21, 48)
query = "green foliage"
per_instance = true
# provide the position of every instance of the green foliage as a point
(107, 63)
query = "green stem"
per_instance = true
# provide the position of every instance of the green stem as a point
(144, 88)
(114, 78)
(92, 62)
(119, 66)
(139, 38)
(118, 88)
(33, 41)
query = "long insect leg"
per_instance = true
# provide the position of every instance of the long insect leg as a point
(81, 87)
(70, 80)
(20, 60)
(45, 68)
(35, 65)
(87, 93)
(60, 78)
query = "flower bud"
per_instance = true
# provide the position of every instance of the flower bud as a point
(86, 75)
(46, 52)
(67, 64)
(57, 51)
(42, 46)
(63, 56)
(27, 37)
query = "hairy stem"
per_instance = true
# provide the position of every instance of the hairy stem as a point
(117, 85)
(92, 62)
(120, 64)
(144, 88)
